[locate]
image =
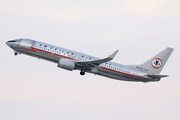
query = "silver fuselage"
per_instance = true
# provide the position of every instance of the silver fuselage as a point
(54, 54)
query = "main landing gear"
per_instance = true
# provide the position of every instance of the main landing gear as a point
(82, 73)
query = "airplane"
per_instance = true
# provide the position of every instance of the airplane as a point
(71, 60)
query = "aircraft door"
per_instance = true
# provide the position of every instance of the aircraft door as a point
(26, 43)
(135, 74)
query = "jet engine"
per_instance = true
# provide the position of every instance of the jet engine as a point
(66, 64)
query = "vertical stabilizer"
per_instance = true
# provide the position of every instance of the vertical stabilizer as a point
(156, 64)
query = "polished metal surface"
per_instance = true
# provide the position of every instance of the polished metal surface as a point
(85, 63)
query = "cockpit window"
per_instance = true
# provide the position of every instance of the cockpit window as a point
(12, 41)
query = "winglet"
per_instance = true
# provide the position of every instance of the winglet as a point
(99, 61)
(113, 55)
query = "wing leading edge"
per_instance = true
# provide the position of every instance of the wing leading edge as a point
(96, 62)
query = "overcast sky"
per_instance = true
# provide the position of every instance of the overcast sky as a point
(33, 89)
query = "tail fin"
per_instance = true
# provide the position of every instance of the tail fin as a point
(156, 64)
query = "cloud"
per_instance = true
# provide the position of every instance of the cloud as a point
(47, 8)
(75, 10)
(151, 8)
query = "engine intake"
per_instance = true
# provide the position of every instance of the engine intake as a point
(66, 64)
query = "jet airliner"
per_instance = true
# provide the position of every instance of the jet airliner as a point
(72, 60)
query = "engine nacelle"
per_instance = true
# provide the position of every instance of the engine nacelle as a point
(66, 64)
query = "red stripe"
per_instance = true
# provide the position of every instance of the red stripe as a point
(122, 73)
(53, 53)
(33, 49)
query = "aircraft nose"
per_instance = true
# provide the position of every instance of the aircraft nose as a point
(7, 43)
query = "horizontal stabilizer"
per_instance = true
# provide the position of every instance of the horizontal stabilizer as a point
(157, 76)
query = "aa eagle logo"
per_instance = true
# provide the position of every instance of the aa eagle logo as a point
(156, 63)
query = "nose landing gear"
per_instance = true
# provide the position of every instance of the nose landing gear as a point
(15, 53)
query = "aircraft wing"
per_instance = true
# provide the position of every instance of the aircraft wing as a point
(96, 62)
